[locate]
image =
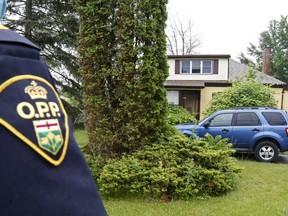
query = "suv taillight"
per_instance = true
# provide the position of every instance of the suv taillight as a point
(286, 129)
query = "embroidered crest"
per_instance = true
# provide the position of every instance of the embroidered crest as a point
(49, 135)
(35, 91)
(36, 116)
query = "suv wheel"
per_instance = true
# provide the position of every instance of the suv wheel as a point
(266, 151)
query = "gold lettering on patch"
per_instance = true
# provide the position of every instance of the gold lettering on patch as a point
(54, 108)
(30, 111)
(39, 110)
(42, 108)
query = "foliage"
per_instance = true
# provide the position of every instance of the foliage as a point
(96, 164)
(243, 92)
(178, 115)
(53, 26)
(178, 167)
(261, 186)
(275, 37)
(123, 65)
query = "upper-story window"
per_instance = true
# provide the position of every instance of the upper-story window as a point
(196, 67)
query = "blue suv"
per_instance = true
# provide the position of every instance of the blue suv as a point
(259, 130)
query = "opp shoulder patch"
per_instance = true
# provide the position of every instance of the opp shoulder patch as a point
(3, 27)
(32, 110)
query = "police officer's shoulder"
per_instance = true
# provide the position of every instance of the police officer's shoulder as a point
(7, 35)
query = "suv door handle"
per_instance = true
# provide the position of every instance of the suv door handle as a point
(225, 130)
(256, 130)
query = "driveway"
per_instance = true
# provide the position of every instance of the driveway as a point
(282, 159)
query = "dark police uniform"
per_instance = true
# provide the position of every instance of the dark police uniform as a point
(42, 171)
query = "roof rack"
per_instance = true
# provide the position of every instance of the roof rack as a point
(256, 107)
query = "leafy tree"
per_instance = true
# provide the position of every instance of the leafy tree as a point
(53, 26)
(243, 92)
(181, 38)
(123, 65)
(275, 37)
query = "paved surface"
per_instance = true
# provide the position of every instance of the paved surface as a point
(283, 158)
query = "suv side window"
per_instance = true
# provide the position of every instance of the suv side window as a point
(274, 118)
(247, 119)
(224, 119)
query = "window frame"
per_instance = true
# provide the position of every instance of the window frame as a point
(239, 123)
(196, 68)
(213, 123)
(274, 120)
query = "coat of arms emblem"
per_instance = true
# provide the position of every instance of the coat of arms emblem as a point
(49, 135)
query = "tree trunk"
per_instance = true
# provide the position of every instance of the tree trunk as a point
(28, 23)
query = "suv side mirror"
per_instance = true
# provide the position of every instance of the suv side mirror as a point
(206, 124)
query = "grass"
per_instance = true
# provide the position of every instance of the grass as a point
(262, 191)
(81, 137)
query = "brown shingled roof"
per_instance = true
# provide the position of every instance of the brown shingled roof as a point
(238, 70)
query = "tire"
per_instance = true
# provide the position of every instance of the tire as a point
(187, 135)
(266, 151)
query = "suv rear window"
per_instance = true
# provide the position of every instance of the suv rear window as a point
(247, 119)
(274, 118)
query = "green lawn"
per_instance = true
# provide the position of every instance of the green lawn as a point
(81, 137)
(262, 191)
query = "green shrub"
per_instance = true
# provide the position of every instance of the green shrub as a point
(178, 115)
(96, 164)
(245, 91)
(177, 167)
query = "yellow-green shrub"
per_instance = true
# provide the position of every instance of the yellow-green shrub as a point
(178, 167)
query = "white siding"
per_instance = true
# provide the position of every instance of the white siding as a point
(222, 72)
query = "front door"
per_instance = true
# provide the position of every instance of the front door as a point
(190, 100)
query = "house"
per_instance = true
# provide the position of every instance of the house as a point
(193, 79)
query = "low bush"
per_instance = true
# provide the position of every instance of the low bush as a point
(178, 115)
(177, 167)
(96, 164)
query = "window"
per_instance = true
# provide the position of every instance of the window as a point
(207, 67)
(196, 67)
(224, 119)
(274, 118)
(185, 67)
(247, 119)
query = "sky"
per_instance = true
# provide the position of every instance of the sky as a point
(228, 26)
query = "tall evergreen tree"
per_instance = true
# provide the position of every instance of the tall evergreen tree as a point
(53, 26)
(123, 65)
